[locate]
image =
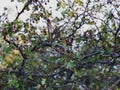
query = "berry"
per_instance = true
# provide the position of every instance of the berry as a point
(45, 3)
(48, 20)
(68, 42)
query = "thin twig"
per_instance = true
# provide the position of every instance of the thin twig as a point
(111, 88)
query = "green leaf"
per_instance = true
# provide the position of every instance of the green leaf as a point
(79, 39)
(70, 65)
(113, 26)
(98, 7)
(43, 81)
(104, 27)
(79, 2)
(91, 22)
(29, 52)
(111, 43)
(85, 19)
(30, 77)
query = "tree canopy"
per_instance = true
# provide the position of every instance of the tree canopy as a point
(62, 45)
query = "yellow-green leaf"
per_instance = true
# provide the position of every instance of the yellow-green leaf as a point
(79, 2)
(63, 4)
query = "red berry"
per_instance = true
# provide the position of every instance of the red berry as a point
(36, 0)
(25, 56)
(45, 32)
(68, 42)
(48, 20)
(14, 27)
(45, 3)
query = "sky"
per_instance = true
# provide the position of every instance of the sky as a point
(11, 8)
(12, 11)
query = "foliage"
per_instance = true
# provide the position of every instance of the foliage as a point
(77, 50)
